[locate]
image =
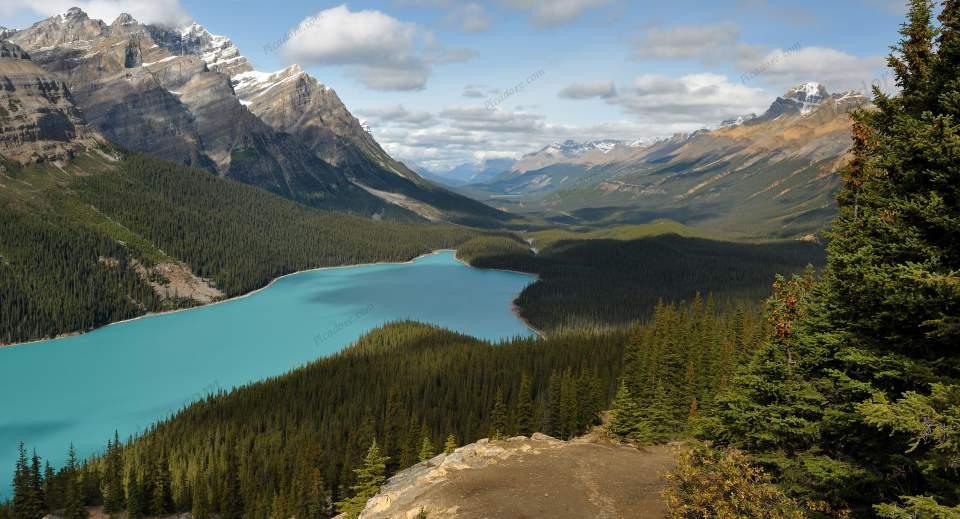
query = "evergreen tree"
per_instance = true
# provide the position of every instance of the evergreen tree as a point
(113, 493)
(426, 449)
(161, 495)
(393, 425)
(201, 505)
(135, 502)
(523, 420)
(450, 445)
(73, 488)
(628, 420)
(21, 486)
(498, 417)
(232, 505)
(50, 488)
(37, 503)
(369, 479)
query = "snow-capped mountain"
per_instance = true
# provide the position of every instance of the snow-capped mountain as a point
(186, 95)
(587, 153)
(802, 99)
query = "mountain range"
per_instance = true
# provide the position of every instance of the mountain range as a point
(766, 175)
(188, 96)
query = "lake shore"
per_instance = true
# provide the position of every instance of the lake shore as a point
(270, 284)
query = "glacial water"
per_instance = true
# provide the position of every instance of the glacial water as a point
(128, 375)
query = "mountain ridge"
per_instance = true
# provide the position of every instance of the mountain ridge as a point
(171, 92)
(780, 165)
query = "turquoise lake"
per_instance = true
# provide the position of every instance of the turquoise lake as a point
(126, 376)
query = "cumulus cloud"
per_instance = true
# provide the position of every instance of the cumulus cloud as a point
(549, 13)
(781, 68)
(601, 89)
(691, 99)
(161, 12)
(380, 51)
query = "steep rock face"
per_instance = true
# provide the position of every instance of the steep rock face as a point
(38, 119)
(143, 95)
(169, 92)
(294, 102)
(218, 52)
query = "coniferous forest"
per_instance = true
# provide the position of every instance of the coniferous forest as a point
(838, 397)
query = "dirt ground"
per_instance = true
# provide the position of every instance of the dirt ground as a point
(535, 479)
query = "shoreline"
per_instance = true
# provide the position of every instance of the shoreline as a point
(270, 284)
(514, 308)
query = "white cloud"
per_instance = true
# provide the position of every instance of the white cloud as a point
(837, 70)
(602, 89)
(779, 68)
(703, 42)
(398, 115)
(698, 99)
(496, 121)
(162, 12)
(548, 13)
(380, 51)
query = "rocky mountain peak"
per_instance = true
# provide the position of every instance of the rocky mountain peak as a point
(74, 13)
(124, 19)
(802, 99)
(6, 33)
(218, 52)
(71, 29)
(810, 92)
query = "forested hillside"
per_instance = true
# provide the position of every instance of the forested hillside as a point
(72, 239)
(607, 282)
(288, 445)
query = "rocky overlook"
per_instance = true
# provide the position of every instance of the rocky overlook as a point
(530, 477)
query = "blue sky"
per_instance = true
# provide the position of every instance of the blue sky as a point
(446, 81)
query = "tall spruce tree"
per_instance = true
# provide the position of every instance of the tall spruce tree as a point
(73, 488)
(21, 486)
(523, 416)
(36, 503)
(628, 420)
(498, 417)
(370, 478)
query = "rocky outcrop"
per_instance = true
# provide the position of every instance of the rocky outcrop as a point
(529, 477)
(38, 118)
